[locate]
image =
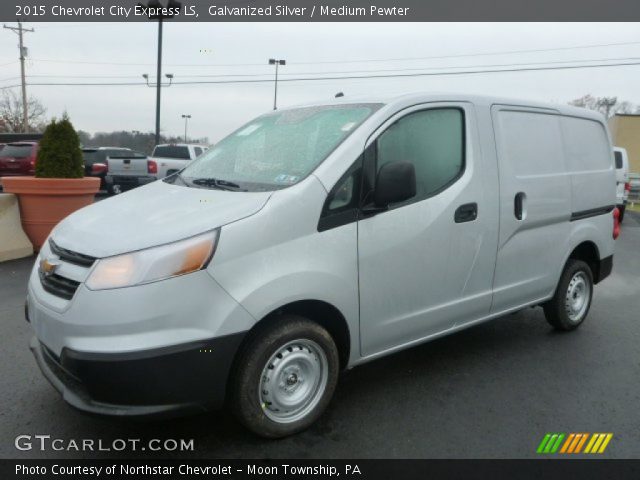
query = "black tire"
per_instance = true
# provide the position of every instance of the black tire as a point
(621, 209)
(255, 356)
(557, 310)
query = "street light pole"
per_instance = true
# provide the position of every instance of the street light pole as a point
(186, 119)
(158, 78)
(273, 61)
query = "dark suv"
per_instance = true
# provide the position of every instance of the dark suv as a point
(18, 158)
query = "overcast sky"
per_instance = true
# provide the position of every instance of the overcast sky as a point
(123, 52)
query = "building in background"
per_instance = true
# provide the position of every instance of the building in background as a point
(625, 133)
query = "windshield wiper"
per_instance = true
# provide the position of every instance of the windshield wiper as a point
(218, 183)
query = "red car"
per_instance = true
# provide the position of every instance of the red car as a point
(18, 158)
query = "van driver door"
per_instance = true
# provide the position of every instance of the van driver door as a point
(426, 264)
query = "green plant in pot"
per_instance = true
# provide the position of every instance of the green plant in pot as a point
(59, 187)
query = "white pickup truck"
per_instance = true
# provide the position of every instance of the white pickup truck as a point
(173, 157)
(127, 172)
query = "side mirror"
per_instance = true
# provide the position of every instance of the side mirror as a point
(396, 182)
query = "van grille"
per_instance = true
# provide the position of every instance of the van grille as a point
(59, 286)
(71, 257)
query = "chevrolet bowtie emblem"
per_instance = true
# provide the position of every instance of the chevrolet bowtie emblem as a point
(48, 266)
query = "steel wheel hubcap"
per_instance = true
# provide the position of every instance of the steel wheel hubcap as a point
(577, 297)
(293, 381)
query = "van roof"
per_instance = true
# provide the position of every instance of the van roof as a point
(424, 97)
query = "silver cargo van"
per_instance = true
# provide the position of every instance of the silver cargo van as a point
(316, 238)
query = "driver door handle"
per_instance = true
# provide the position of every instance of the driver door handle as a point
(466, 213)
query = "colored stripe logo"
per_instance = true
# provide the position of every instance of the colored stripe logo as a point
(574, 443)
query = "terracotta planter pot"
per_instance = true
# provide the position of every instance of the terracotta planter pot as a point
(44, 202)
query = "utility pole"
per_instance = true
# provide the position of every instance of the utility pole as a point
(19, 30)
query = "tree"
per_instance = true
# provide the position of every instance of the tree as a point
(11, 113)
(607, 106)
(59, 155)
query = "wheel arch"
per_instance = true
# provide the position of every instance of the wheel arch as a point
(318, 311)
(588, 252)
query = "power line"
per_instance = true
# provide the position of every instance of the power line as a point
(342, 72)
(477, 54)
(507, 52)
(348, 77)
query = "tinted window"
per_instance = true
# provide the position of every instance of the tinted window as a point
(172, 151)
(197, 151)
(91, 156)
(433, 140)
(618, 156)
(17, 150)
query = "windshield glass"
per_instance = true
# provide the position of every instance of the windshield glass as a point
(277, 149)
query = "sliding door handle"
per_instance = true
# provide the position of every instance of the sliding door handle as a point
(518, 205)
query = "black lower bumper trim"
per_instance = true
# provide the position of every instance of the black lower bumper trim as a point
(160, 382)
(606, 266)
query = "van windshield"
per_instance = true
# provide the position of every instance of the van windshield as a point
(276, 150)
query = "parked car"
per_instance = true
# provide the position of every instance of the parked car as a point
(127, 172)
(634, 187)
(95, 161)
(18, 158)
(622, 179)
(173, 157)
(318, 238)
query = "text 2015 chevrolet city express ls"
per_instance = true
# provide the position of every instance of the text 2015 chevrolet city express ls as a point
(317, 238)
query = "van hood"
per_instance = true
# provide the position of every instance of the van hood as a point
(152, 215)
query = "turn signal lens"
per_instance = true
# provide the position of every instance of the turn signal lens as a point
(616, 223)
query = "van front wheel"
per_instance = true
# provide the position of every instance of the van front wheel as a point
(285, 376)
(570, 305)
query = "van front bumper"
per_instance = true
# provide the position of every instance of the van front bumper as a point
(168, 381)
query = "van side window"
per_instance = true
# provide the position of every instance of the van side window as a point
(433, 140)
(197, 151)
(342, 203)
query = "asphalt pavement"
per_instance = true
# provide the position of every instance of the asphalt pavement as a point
(492, 391)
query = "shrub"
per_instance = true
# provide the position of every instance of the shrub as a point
(59, 154)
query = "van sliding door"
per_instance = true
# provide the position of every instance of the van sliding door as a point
(535, 204)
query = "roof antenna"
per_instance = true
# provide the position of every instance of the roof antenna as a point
(339, 94)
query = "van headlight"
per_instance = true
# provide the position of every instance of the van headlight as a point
(155, 263)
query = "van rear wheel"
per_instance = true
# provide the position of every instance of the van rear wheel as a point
(284, 377)
(570, 305)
